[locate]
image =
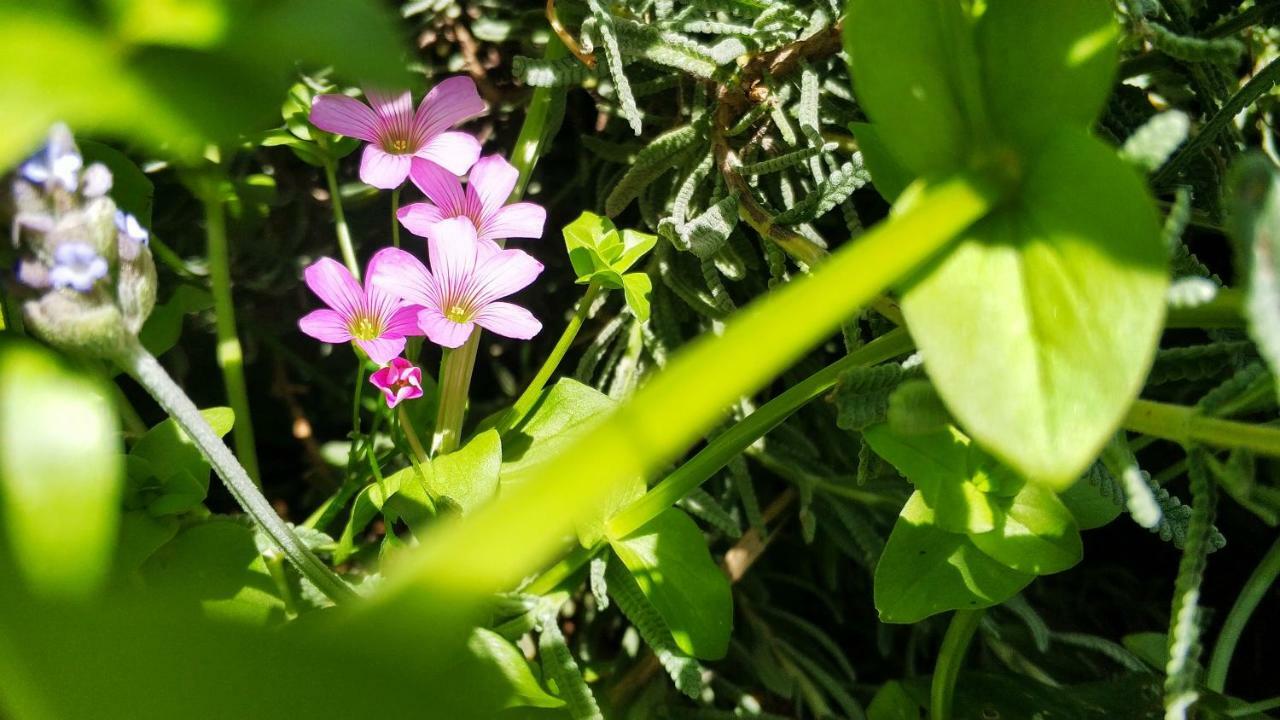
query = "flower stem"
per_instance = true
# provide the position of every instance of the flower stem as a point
(455, 378)
(955, 644)
(148, 371)
(531, 393)
(1257, 586)
(699, 468)
(411, 434)
(1184, 425)
(230, 354)
(528, 146)
(340, 220)
(395, 221)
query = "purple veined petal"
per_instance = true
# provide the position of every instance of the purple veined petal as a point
(508, 320)
(450, 102)
(451, 249)
(502, 274)
(417, 217)
(395, 113)
(518, 220)
(331, 281)
(491, 182)
(325, 326)
(401, 275)
(381, 349)
(455, 151)
(342, 115)
(403, 322)
(443, 331)
(441, 186)
(383, 170)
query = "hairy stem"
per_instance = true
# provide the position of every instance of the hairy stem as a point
(1257, 586)
(149, 373)
(230, 354)
(531, 393)
(340, 219)
(955, 645)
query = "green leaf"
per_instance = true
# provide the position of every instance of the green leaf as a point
(1255, 227)
(599, 251)
(215, 565)
(1039, 327)
(171, 453)
(669, 559)
(164, 325)
(888, 174)
(1090, 508)
(131, 189)
(925, 570)
(904, 66)
(893, 702)
(524, 689)
(1035, 533)
(141, 534)
(467, 477)
(61, 473)
(181, 492)
(565, 413)
(939, 464)
(1046, 64)
(636, 288)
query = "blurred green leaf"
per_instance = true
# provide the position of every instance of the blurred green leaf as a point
(893, 703)
(887, 172)
(467, 477)
(131, 189)
(164, 326)
(1035, 533)
(1255, 226)
(1090, 508)
(669, 559)
(141, 534)
(525, 690)
(60, 471)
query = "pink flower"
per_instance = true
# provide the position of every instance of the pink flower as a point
(377, 321)
(483, 202)
(396, 134)
(399, 380)
(462, 289)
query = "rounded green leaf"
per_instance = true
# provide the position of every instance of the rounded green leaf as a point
(669, 559)
(61, 471)
(1046, 63)
(467, 477)
(904, 65)
(1035, 533)
(1039, 327)
(925, 570)
(1090, 508)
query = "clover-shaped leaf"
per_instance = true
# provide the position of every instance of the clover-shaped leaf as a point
(1038, 328)
(601, 253)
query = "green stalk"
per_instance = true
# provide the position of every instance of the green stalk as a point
(411, 435)
(955, 645)
(395, 221)
(699, 468)
(149, 373)
(1247, 601)
(531, 393)
(340, 219)
(455, 378)
(529, 143)
(1184, 425)
(230, 354)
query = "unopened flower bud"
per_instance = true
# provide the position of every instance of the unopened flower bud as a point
(77, 322)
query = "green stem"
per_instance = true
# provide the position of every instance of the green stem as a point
(148, 371)
(955, 645)
(1247, 601)
(699, 468)
(563, 570)
(340, 219)
(395, 221)
(455, 378)
(528, 148)
(531, 393)
(1223, 311)
(230, 354)
(411, 435)
(1184, 425)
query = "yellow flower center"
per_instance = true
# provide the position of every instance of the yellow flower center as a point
(365, 328)
(458, 314)
(398, 146)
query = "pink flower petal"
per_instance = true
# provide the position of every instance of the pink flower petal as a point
(395, 111)
(443, 331)
(491, 181)
(331, 281)
(440, 185)
(382, 349)
(325, 326)
(383, 170)
(450, 102)
(403, 322)
(342, 115)
(508, 320)
(455, 151)
(401, 275)
(519, 220)
(451, 248)
(417, 217)
(502, 274)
